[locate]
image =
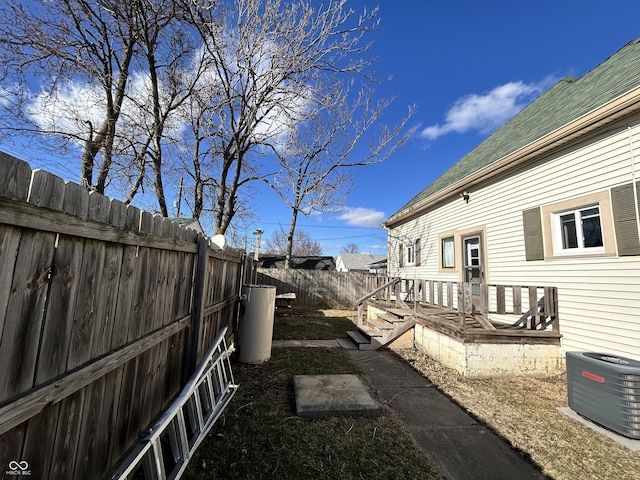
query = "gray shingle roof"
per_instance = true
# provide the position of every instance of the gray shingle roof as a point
(359, 261)
(566, 101)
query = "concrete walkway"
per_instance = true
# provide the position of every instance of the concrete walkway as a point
(459, 445)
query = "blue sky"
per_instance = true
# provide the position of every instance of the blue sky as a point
(468, 66)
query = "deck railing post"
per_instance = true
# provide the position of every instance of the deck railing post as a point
(461, 309)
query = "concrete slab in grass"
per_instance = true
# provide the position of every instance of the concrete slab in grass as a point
(334, 395)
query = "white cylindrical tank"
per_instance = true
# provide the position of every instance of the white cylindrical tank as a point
(255, 329)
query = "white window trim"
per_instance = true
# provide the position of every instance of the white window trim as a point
(556, 229)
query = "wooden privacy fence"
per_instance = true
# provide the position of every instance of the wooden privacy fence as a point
(105, 311)
(316, 288)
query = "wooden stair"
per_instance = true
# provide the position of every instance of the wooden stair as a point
(380, 331)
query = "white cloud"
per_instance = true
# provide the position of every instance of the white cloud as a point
(487, 112)
(362, 217)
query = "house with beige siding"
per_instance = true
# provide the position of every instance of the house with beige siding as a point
(552, 199)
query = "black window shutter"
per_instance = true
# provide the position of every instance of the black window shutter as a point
(533, 242)
(417, 252)
(401, 255)
(624, 219)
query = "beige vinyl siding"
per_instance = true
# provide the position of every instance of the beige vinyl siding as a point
(599, 297)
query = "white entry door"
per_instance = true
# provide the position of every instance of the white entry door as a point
(473, 263)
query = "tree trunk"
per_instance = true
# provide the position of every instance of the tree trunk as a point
(292, 229)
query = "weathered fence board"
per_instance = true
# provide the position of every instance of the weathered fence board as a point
(316, 288)
(96, 317)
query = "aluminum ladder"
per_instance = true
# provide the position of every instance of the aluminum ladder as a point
(164, 450)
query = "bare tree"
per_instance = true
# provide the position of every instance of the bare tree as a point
(351, 248)
(171, 73)
(271, 61)
(321, 150)
(62, 42)
(303, 244)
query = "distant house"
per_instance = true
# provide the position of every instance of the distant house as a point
(297, 262)
(550, 198)
(358, 262)
(192, 223)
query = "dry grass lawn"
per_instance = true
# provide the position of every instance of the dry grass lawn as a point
(524, 411)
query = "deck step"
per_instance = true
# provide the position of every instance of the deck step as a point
(390, 318)
(401, 312)
(382, 323)
(371, 332)
(357, 337)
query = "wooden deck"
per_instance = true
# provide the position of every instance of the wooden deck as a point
(447, 322)
(506, 314)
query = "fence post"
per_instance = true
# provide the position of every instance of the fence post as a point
(198, 298)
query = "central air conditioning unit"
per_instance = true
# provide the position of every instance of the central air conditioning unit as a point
(606, 389)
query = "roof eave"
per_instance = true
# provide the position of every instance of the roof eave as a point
(612, 111)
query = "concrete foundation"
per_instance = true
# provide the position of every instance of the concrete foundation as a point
(484, 360)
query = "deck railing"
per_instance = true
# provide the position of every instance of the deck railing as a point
(535, 307)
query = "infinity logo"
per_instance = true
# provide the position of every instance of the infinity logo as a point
(13, 465)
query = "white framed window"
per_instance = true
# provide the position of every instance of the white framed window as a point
(448, 252)
(577, 231)
(411, 254)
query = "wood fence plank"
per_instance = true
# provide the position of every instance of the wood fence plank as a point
(91, 446)
(138, 409)
(11, 445)
(39, 440)
(107, 423)
(132, 218)
(155, 387)
(149, 290)
(9, 243)
(126, 402)
(117, 214)
(106, 302)
(58, 319)
(87, 303)
(126, 290)
(177, 370)
(15, 177)
(99, 208)
(75, 200)
(20, 340)
(66, 438)
(161, 313)
(46, 190)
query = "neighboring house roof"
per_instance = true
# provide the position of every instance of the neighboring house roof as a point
(565, 102)
(192, 223)
(304, 263)
(358, 261)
